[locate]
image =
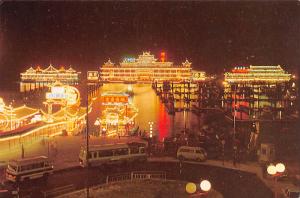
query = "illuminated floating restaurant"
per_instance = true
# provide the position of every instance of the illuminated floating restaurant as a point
(146, 68)
(259, 92)
(262, 74)
(14, 118)
(118, 114)
(37, 78)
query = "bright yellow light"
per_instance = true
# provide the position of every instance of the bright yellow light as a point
(271, 169)
(190, 188)
(280, 168)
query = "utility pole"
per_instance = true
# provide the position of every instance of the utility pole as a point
(87, 125)
(87, 140)
(234, 115)
(234, 129)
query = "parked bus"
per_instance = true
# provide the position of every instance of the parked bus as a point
(112, 154)
(28, 168)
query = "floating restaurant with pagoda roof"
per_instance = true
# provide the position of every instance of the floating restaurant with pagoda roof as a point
(37, 78)
(146, 68)
(250, 93)
(268, 74)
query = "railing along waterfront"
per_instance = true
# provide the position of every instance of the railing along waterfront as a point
(137, 175)
(130, 176)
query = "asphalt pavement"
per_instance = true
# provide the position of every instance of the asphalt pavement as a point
(229, 182)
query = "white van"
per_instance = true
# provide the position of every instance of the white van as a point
(191, 153)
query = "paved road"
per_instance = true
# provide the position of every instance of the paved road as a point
(231, 183)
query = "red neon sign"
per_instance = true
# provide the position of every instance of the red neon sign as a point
(162, 56)
(240, 71)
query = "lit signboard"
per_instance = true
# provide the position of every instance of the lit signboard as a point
(56, 93)
(130, 60)
(162, 56)
(114, 99)
(240, 69)
(56, 96)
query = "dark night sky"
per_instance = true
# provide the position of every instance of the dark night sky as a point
(213, 35)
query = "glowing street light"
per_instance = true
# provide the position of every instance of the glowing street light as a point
(280, 168)
(276, 171)
(271, 169)
(151, 129)
(205, 185)
(190, 188)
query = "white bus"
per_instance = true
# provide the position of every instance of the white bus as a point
(28, 168)
(112, 154)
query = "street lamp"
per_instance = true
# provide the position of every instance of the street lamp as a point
(276, 171)
(11, 114)
(205, 185)
(150, 129)
(190, 187)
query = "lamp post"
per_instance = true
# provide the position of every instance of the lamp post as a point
(205, 187)
(11, 114)
(276, 171)
(87, 140)
(150, 129)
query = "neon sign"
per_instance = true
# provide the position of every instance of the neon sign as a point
(67, 93)
(240, 69)
(162, 56)
(56, 96)
(129, 60)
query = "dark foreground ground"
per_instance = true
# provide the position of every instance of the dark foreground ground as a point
(230, 183)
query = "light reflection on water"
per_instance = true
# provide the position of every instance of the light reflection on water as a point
(152, 109)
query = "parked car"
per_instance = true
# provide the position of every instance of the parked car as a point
(191, 153)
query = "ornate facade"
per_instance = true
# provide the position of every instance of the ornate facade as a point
(37, 78)
(145, 68)
(259, 92)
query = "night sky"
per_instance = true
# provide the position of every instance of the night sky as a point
(213, 35)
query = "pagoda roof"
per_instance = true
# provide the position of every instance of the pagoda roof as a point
(50, 68)
(109, 63)
(24, 111)
(71, 70)
(62, 69)
(39, 69)
(186, 62)
(30, 70)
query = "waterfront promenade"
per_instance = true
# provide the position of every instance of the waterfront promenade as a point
(64, 150)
